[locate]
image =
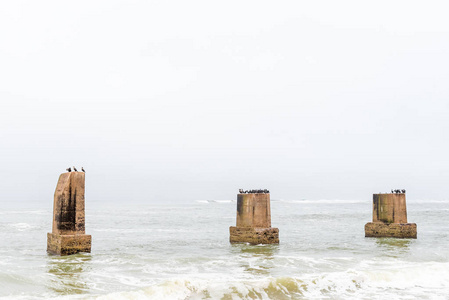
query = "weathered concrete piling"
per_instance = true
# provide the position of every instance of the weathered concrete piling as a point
(390, 217)
(254, 220)
(68, 233)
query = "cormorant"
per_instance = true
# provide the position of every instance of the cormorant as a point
(74, 169)
(82, 169)
(69, 170)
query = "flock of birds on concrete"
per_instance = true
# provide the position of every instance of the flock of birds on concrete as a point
(260, 191)
(74, 169)
(265, 191)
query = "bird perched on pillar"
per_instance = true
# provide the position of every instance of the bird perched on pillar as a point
(82, 169)
(74, 169)
(68, 170)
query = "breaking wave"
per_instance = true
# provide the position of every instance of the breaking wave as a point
(321, 201)
(413, 281)
(214, 201)
(25, 212)
(21, 226)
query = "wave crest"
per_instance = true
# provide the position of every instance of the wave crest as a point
(413, 280)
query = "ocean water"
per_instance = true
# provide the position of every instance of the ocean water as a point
(182, 251)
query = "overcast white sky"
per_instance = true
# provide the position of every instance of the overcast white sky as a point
(185, 100)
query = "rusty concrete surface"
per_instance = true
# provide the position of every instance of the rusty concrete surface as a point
(390, 218)
(396, 230)
(254, 220)
(389, 208)
(68, 244)
(68, 228)
(254, 236)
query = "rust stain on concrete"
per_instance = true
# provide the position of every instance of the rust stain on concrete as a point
(254, 220)
(390, 217)
(68, 230)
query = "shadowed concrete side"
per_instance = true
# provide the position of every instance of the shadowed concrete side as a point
(68, 230)
(390, 218)
(254, 220)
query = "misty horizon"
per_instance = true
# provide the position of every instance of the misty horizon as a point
(176, 102)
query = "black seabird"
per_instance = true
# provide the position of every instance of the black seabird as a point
(74, 169)
(82, 169)
(69, 170)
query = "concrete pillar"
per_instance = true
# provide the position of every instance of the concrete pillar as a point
(253, 210)
(390, 217)
(68, 231)
(254, 220)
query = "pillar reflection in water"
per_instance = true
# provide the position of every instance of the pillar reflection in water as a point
(67, 274)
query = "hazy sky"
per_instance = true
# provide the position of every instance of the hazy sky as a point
(186, 100)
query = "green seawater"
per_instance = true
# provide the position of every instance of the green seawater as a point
(182, 251)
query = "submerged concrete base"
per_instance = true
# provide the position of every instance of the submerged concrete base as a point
(396, 230)
(254, 235)
(68, 244)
